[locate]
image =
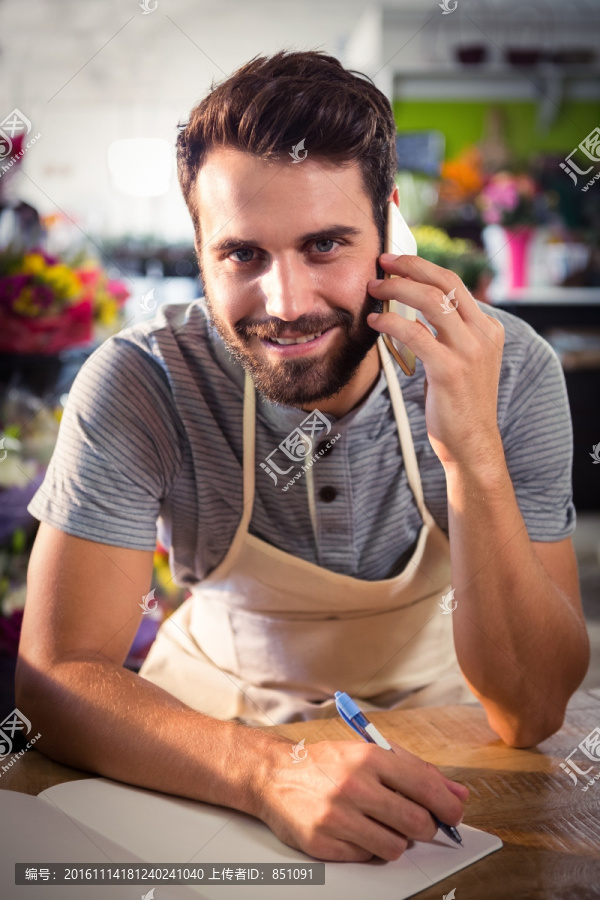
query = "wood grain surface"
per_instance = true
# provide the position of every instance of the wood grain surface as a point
(550, 827)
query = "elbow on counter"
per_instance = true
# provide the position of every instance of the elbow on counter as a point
(527, 733)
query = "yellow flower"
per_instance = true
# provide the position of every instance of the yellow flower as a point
(33, 264)
(106, 309)
(427, 234)
(62, 280)
(162, 573)
(25, 305)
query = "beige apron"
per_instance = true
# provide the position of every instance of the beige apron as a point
(268, 638)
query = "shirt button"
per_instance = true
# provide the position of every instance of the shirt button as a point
(327, 494)
(323, 446)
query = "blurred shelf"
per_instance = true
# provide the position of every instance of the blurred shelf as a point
(494, 82)
(497, 70)
(552, 296)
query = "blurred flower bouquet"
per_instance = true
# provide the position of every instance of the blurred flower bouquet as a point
(47, 304)
(461, 256)
(509, 200)
(462, 178)
(512, 206)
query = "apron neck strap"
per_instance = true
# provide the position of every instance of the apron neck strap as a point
(249, 450)
(406, 442)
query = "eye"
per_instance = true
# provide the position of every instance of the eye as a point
(325, 241)
(243, 250)
(248, 254)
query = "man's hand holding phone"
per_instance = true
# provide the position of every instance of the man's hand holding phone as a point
(462, 361)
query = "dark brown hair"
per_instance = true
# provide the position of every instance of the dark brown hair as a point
(271, 103)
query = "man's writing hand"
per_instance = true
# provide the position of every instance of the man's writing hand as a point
(340, 802)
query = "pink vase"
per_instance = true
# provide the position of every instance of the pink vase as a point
(518, 241)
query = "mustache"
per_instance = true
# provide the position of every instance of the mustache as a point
(310, 324)
(273, 328)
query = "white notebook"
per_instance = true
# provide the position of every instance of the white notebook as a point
(111, 822)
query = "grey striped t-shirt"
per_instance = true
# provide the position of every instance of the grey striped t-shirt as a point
(152, 436)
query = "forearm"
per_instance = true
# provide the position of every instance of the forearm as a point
(518, 640)
(97, 716)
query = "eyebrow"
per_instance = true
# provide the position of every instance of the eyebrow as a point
(330, 232)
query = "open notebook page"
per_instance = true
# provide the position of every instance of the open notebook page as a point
(159, 828)
(36, 831)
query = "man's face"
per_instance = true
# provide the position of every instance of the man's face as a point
(287, 250)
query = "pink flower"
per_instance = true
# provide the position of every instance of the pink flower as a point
(119, 291)
(502, 192)
(505, 194)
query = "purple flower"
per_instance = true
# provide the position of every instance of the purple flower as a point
(10, 629)
(43, 295)
(10, 288)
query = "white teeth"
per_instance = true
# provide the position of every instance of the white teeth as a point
(302, 340)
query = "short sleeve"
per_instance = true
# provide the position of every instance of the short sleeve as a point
(117, 453)
(537, 435)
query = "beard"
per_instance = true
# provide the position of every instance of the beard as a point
(297, 382)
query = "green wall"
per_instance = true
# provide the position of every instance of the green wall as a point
(462, 122)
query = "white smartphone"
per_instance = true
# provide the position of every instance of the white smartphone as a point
(399, 240)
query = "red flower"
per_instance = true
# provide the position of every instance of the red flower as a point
(89, 277)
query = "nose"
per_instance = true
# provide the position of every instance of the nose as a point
(288, 289)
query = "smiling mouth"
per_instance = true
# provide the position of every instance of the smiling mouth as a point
(290, 345)
(304, 339)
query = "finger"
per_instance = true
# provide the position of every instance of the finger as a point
(426, 272)
(342, 851)
(456, 787)
(400, 814)
(498, 332)
(415, 334)
(367, 816)
(372, 835)
(393, 841)
(423, 783)
(353, 853)
(443, 311)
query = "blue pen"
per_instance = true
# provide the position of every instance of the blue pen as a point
(357, 720)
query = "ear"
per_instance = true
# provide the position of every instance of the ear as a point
(394, 196)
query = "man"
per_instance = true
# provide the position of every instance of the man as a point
(335, 583)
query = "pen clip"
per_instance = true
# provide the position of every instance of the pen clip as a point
(355, 727)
